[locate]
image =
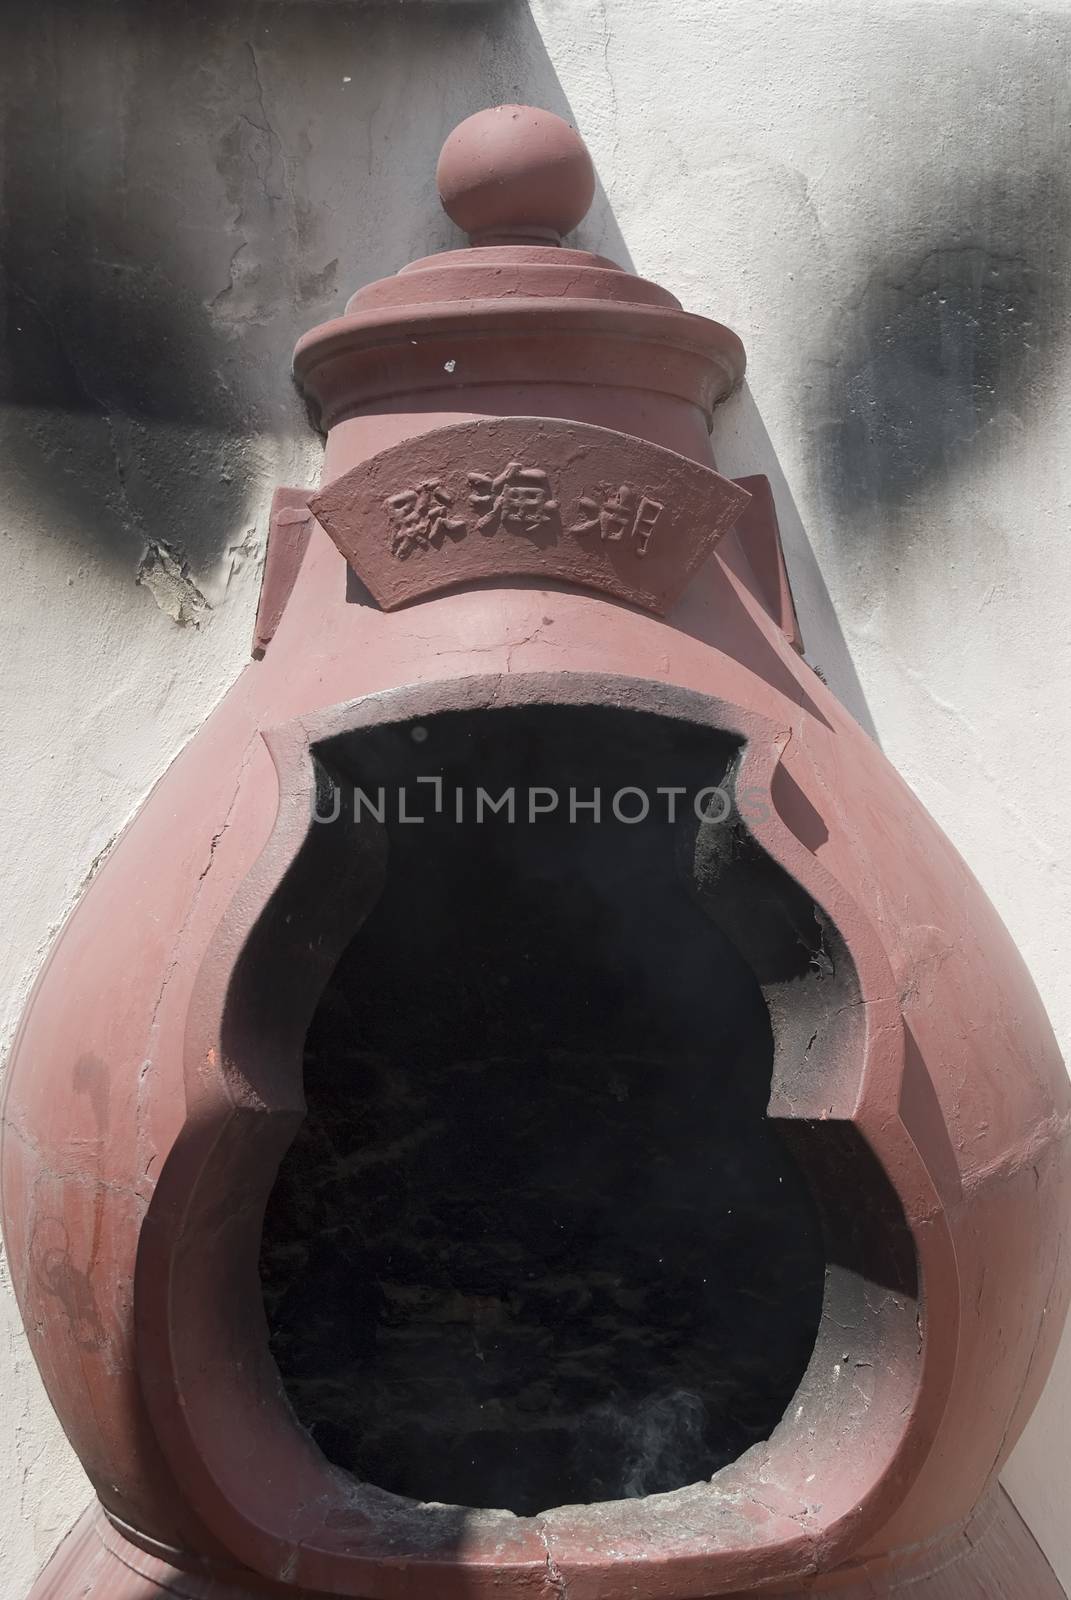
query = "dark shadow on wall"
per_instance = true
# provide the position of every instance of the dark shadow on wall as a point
(187, 187)
(944, 347)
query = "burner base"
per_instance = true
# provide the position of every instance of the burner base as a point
(994, 1557)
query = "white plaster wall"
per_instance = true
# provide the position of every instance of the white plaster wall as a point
(873, 196)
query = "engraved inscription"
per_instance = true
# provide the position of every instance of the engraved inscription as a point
(527, 497)
(616, 514)
(420, 519)
(519, 499)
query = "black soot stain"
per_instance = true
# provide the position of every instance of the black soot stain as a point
(179, 184)
(941, 342)
(129, 401)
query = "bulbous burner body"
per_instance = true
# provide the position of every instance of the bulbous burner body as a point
(533, 1103)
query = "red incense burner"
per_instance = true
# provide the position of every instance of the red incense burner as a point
(533, 1105)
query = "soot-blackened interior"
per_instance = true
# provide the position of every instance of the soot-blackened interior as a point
(535, 1242)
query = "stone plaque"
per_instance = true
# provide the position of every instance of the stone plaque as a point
(528, 497)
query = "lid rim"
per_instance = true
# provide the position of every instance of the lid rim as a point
(663, 325)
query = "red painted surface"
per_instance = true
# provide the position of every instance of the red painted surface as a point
(156, 1080)
(515, 171)
(289, 527)
(760, 538)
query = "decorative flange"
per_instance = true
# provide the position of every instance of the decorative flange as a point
(514, 307)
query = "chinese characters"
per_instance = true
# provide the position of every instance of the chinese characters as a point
(519, 500)
(617, 514)
(420, 519)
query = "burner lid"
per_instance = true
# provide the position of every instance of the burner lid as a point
(516, 179)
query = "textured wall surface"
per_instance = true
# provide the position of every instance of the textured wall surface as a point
(876, 199)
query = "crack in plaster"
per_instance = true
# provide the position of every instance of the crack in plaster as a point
(615, 121)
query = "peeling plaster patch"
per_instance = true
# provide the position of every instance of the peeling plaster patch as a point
(167, 578)
(315, 287)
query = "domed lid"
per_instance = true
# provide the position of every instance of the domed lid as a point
(516, 179)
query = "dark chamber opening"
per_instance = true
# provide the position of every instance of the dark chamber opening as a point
(536, 1242)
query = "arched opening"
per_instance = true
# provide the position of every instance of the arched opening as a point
(536, 1242)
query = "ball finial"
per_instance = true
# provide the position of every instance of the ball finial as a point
(514, 173)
